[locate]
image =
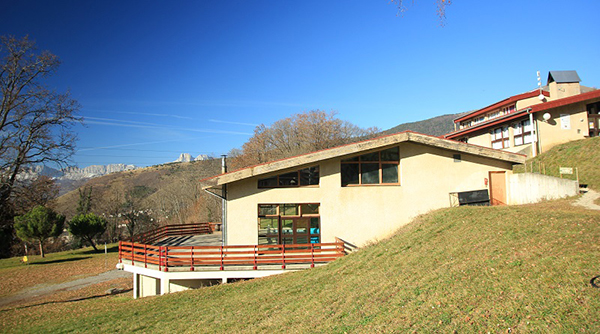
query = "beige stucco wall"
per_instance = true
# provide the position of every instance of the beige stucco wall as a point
(524, 103)
(550, 133)
(361, 214)
(560, 90)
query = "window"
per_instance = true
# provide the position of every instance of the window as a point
(371, 168)
(465, 124)
(523, 133)
(304, 177)
(457, 157)
(500, 138)
(479, 120)
(288, 224)
(509, 109)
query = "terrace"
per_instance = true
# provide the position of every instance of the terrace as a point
(175, 255)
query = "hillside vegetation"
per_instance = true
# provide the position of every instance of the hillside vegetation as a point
(435, 126)
(581, 154)
(469, 269)
(169, 190)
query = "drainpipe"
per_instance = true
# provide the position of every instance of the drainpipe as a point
(535, 133)
(224, 202)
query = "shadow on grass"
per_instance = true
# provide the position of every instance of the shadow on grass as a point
(595, 282)
(60, 261)
(66, 301)
(109, 249)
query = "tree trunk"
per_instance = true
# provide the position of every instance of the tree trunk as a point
(41, 248)
(93, 244)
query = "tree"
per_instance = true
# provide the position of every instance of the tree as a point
(31, 193)
(39, 224)
(87, 227)
(301, 133)
(84, 205)
(35, 121)
(138, 219)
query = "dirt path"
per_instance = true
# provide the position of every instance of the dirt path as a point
(587, 200)
(42, 290)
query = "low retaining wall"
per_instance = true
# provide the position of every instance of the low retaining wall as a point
(525, 188)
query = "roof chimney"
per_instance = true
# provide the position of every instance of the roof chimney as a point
(563, 84)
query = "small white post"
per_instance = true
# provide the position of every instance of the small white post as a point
(136, 285)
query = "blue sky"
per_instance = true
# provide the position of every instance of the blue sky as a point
(156, 79)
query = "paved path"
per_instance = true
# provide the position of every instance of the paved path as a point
(47, 289)
(587, 200)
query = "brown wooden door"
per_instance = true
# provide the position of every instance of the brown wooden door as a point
(498, 188)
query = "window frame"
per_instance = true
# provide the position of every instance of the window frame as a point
(280, 235)
(359, 162)
(298, 177)
(503, 139)
(523, 134)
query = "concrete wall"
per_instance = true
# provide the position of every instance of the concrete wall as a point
(528, 188)
(359, 214)
(149, 286)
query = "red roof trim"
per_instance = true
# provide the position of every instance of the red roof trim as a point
(566, 101)
(502, 103)
(487, 124)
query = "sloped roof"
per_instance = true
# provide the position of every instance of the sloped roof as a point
(563, 76)
(354, 148)
(505, 102)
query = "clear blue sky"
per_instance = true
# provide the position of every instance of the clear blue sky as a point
(156, 79)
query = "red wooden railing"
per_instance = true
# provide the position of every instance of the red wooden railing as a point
(174, 230)
(166, 257)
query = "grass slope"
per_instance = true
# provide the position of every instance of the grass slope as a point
(54, 268)
(583, 154)
(469, 269)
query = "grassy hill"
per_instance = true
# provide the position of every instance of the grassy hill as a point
(583, 154)
(468, 269)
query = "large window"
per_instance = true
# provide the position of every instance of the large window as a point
(523, 133)
(288, 224)
(500, 138)
(372, 168)
(303, 177)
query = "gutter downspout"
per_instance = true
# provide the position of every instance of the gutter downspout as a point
(534, 142)
(224, 201)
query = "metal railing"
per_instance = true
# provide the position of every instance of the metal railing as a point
(222, 257)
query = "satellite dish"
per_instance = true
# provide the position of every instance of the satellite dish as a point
(547, 117)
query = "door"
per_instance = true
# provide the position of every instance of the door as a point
(498, 188)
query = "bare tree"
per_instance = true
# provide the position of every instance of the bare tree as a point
(35, 122)
(301, 133)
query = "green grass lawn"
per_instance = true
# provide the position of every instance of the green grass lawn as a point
(580, 154)
(54, 268)
(469, 269)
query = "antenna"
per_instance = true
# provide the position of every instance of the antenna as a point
(539, 78)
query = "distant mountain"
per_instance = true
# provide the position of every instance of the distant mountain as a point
(72, 177)
(435, 126)
(186, 157)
